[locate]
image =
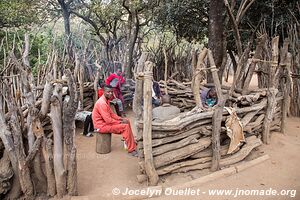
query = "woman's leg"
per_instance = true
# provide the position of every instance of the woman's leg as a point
(91, 128)
(120, 105)
(88, 125)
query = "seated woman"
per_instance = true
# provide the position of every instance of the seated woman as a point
(209, 97)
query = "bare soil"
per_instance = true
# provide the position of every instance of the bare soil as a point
(98, 174)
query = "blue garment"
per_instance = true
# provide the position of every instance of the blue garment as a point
(206, 101)
(210, 102)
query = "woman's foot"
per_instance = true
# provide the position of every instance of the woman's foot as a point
(89, 134)
(134, 153)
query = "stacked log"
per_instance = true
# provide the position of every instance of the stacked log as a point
(128, 92)
(88, 94)
(183, 143)
(180, 93)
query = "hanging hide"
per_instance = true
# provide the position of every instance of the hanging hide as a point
(234, 130)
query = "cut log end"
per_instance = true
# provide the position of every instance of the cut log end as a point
(103, 143)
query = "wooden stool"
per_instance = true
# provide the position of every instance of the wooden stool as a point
(103, 143)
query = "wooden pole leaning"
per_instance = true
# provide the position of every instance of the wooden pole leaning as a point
(217, 116)
(147, 125)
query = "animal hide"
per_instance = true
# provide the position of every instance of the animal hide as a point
(234, 130)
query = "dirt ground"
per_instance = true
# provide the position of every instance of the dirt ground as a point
(98, 174)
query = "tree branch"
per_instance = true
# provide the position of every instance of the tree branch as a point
(236, 29)
(92, 23)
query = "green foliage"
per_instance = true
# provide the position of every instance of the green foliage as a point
(187, 18)
(41, 43)
(15, 13)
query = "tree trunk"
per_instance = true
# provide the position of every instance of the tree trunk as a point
(65, 6)
(215, 32)
(131, 42)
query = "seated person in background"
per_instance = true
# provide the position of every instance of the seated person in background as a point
(86, 118)
(114, 100)
(116, 80)
(105, 121)
(165, 111)
(209, 97)
(156, 94)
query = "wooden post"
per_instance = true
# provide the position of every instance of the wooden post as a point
(194, 60)
(69, 111)
(269, 115)
(47, 92)
(258, 55)
(198, 78)
(7, 139)
(97, 77)
(79, 75)
(138, 93)
(147, 126)
(286, 94)
(285, 62)
(56, 120)
(48, 156)
(103, 143)
(284, 105)
(272, 91)
(138, 99)
(166, 69)
(217, 116)
(24, 170)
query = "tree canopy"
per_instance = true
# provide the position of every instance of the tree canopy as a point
(16, 13)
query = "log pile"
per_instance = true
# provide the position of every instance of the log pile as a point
(88, 94)
(184, 142)
(180, 93)
(241, 120)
